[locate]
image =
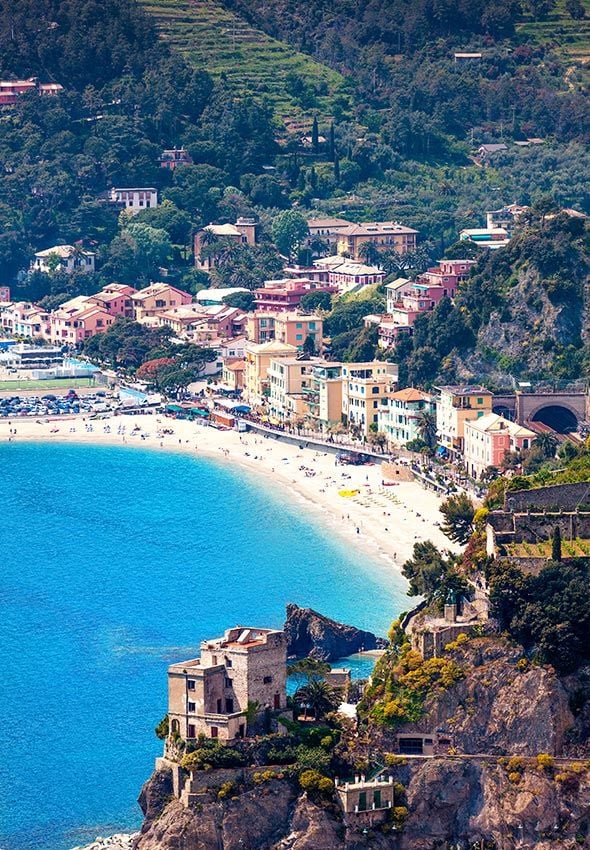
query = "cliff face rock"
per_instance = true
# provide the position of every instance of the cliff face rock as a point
(450, 801)
(312, 634)
(255, 820)
(453, 800)
(498, 708)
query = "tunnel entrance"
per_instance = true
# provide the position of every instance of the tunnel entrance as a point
(559, 418)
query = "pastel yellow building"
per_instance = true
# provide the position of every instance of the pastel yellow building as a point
(290, 328)
(384, 235)
(323, 397)
(455, 406)
(289, 378)
(258, 357)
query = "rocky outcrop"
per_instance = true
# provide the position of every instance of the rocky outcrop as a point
(498, 708)
(450, 802)
(312, 634)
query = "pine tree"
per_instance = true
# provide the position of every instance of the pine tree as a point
(337, 170)
(315, 135)
(332, 143)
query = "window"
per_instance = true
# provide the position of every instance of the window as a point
(191, 706)
(214, 660)
(375, 390)
(267, 680)
(228, 662)
(480, 400)
(190, 684)
(214, 732)
(192, 731)
(229, 705)
(298, 336)
(228, 682)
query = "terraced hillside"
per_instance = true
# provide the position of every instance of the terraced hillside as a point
(222, 43)
(571, 38)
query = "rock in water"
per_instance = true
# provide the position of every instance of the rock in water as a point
(312, 634)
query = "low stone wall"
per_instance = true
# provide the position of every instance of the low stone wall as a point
(566, 497)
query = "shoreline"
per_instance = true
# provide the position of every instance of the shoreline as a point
(383, 522)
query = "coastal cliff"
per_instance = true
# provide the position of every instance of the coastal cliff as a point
(310, 634)
(516, 773)
(449, 800)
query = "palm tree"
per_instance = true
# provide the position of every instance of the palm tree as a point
(319, 697)
(427, 427)
(546, 443)
(369, 252)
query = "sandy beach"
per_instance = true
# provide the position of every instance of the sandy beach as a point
(381, 521)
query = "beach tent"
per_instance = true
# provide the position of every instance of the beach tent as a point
(174, 408)
(200, 411)
(233, 406)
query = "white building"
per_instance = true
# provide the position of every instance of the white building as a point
(401, 414)
(134, 200)
(65, 258)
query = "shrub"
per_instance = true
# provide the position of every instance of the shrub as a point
(399, 815)
(266, 776)
(228, 789)
(314, 782)
(208, 756)
(515, 777)
(459, 641)
(163, 728)
(522, 665)
(312, 758)
(515, 763)
(391, 759)
(545, 761)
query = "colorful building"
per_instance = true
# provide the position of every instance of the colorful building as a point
(323, 397)
(401, 414)
(488, 439)
(174, 157)
(24, 319)
(286, 294)
(384, 235)
(290, 328)
(289, 378)
(365, 388)
(210, 695)
(155, 298)
(455, 406)
(258, 357)
(327, 229)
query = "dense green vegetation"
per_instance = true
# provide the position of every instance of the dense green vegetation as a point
(548, 613)
(215, 38)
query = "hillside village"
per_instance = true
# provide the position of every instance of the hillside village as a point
(271, 353)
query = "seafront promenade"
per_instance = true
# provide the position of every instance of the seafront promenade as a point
(350, 501)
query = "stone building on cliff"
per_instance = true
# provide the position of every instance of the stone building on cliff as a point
(210, 695)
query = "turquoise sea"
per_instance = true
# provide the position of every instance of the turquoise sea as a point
(113, 563)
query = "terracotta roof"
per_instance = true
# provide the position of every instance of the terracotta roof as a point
(411, 394)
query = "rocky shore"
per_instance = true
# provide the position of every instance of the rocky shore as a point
(120, 841)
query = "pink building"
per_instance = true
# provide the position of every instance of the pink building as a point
(488, 439)
(406, 299)
(74, 324)
(286, 294)
(174, 157)
(157, 297)
(4, 293)
(10, 90)
(25, 320)
(115, 299)
(448, 274)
